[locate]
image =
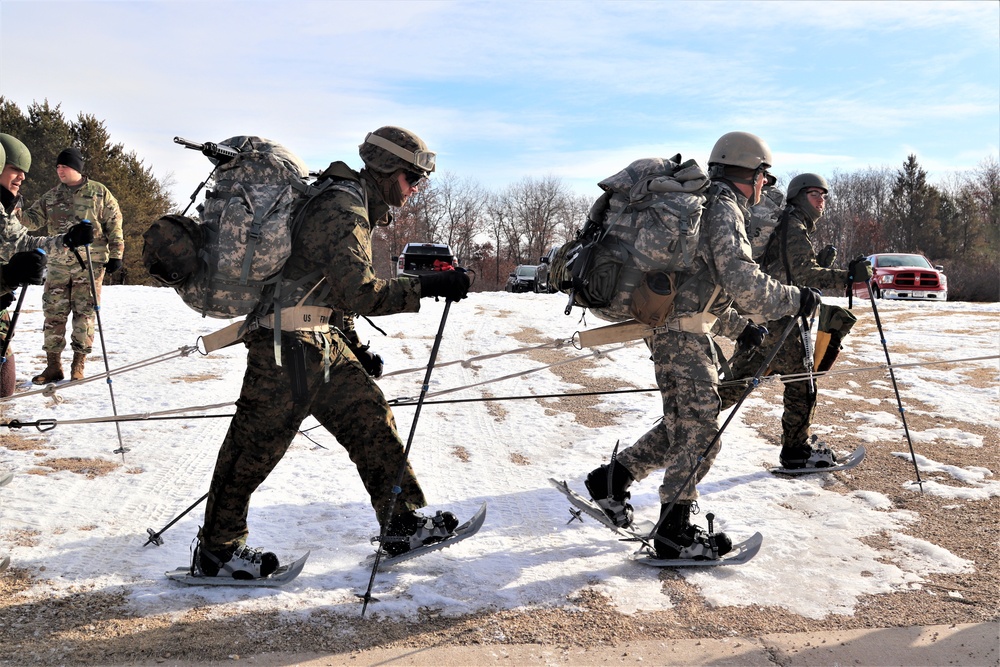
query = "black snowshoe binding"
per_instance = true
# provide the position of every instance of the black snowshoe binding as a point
(608, 486)
(677, 537)
(241, 562)
(412, 529)
(809, 455)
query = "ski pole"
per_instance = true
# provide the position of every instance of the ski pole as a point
(892, 375)
(154, 537)
(754, 381)
(367, 597)
(104, 348)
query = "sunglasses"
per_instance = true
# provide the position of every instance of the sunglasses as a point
(413, 178)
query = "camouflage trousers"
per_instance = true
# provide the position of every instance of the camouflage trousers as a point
(273, 403)
(67, 290)
(799, 400)
(685, 367)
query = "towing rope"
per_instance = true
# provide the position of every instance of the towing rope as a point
(180, 413)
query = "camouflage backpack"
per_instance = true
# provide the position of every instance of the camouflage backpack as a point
(647, 221)
(764, 219)
(221, 265)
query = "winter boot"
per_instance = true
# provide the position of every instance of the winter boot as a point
(412, 529)
(76, 368)
(677, 537)
(608, 487)
(240, 562)
(53, 370)
(809, 455)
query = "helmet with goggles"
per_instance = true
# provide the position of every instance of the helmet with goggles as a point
(389, 149)
(803, 182)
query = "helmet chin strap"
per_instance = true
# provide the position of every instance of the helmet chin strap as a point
(387, 186)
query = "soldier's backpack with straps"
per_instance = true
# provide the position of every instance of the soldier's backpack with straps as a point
(764, 219)
(644, 229)
(221, 264)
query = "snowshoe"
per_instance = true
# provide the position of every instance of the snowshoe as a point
(412, 529)
(678, 538)
(241, 562)
(608, 486)
(810, 455)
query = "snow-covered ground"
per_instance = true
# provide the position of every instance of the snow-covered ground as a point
(77, 532)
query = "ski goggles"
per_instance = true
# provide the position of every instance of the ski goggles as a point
(420, 159)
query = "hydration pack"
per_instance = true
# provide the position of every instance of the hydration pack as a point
(764, 219)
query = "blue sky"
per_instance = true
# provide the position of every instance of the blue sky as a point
(505, 90)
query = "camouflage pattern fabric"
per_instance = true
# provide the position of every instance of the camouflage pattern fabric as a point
(790, 250)
(67, 284)
(799, 401)
(685, 367)
(335, 240)
(63, 206)
(268, 413)
(14, 236)
(685, 364)
(66, 292)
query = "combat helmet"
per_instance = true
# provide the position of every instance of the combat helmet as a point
(741, 149)
(16, 153)
(389, 149)
(803, 181)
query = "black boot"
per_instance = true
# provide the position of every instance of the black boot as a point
(411, 529)
(677, 537)
(812, 454)
(608, 487)
(239, 562)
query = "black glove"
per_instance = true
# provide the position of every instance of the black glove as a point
(371, 362)
(112, 266)
(859, 270)
(826, 256)
(752, 336)
(79, 234)
(809, 300)
(25, 268)
(452, 285)
(6, 300)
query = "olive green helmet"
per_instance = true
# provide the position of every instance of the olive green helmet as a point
(741, 149)
(803, 181)
(16, 153)
(389, 149)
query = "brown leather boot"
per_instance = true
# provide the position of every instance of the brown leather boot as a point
(76, 369)
(53, 371)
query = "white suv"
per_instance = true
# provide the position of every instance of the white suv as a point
(419, 258)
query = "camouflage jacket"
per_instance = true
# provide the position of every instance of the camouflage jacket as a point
(62, 207)
(791, 258)
(724, 259)
(14, 236)
(334, 239)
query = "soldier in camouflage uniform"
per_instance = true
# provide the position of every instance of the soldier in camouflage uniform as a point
(14, 238)
(67, 286)
(320, 375)
(789, 257)
(684, 355)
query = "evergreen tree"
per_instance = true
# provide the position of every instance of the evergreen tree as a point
(913, 223)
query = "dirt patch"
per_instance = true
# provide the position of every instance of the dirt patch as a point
(19, 443)
(199, 377)
(90, 468)
(461, 453)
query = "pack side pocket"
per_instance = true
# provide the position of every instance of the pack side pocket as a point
(653, 299)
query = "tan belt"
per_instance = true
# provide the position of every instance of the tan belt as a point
(300, 318)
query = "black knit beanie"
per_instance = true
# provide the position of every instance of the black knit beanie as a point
(72, 158)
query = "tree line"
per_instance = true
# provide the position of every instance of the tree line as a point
(878, 209)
